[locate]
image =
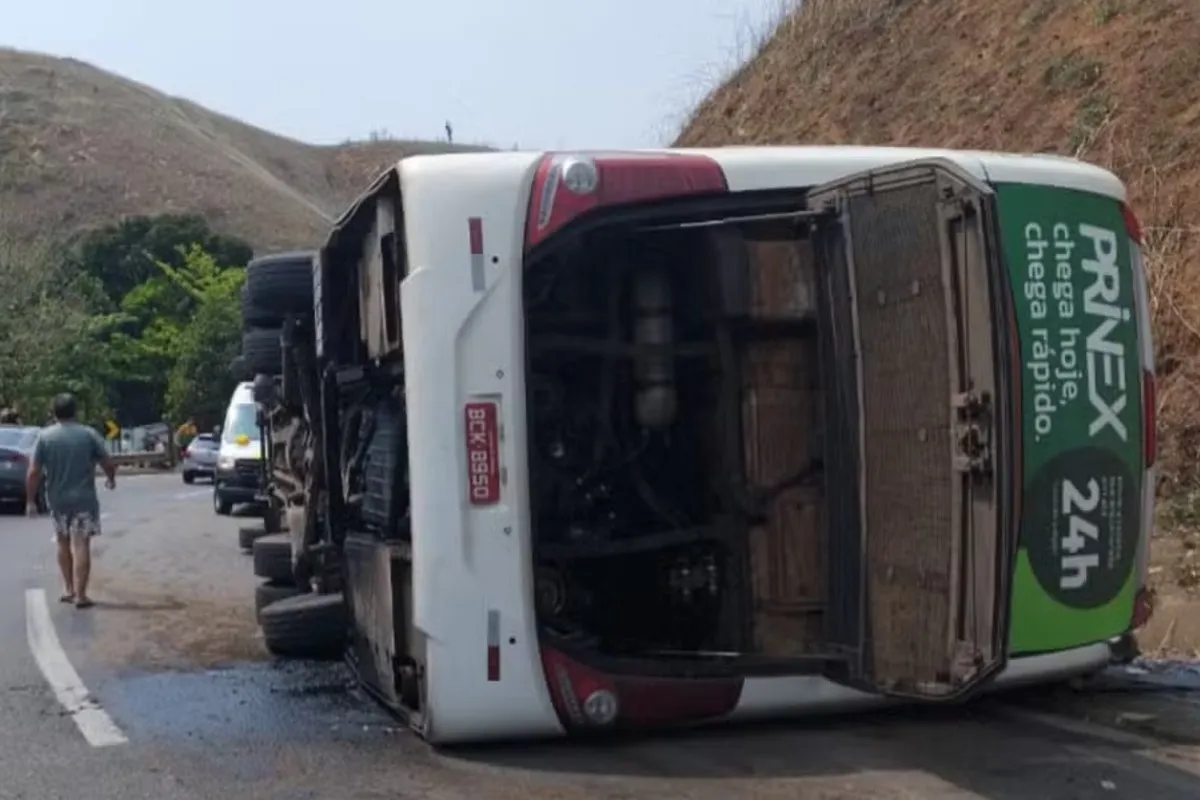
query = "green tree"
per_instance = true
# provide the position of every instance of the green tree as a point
(51, 340)
(134, 318)
(125, 255)
(199, 382)
(130, 264)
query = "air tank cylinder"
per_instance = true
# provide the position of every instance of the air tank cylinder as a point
(654, 372)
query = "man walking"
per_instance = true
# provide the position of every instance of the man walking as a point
(68, 453)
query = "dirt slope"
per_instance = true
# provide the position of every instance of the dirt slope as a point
(1111, 81)
(80, 146)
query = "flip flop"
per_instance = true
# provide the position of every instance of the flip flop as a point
(67, 598)
(84, 603)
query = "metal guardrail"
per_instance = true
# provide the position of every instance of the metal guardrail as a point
(144, 460)
(138, 439)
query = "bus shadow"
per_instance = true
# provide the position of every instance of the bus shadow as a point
(979, 749)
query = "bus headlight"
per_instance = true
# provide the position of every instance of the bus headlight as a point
(600, 707)
(580, 175)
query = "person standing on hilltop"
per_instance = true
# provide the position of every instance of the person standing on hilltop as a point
(67, 454)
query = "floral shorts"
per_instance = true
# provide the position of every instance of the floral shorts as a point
(82, 525)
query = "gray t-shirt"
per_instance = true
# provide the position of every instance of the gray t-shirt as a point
(68, 454)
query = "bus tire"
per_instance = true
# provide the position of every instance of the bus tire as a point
(255, 316)
(271, 591)
(305, 626)
(262, 351)
(248, 534)
(273, 557)
(281, 284)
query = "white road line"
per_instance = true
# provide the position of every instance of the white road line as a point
(92, 720)
(193, 493)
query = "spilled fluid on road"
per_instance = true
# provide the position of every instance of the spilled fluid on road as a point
(283, 701)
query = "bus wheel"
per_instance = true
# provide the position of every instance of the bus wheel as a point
(273, 557)
(280, 285)
(261, 351)
(305, 626)
(247, 534)
(271, 592)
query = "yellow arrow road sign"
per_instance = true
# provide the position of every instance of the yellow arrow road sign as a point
(112, 429)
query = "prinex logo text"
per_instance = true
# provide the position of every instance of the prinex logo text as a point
(1107, 391)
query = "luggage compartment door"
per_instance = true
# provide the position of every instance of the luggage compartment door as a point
(921, 530)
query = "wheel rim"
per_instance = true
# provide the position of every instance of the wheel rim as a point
(216, 502)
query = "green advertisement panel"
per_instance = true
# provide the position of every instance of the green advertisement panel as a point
(1068, 256)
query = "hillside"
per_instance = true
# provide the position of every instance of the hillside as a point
(1110, 81)
(80, 147)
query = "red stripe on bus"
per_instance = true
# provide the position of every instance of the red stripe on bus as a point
(493, 663)
(475, 226)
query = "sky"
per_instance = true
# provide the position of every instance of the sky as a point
(540, 74)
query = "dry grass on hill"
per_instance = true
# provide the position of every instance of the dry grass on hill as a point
(81, 147)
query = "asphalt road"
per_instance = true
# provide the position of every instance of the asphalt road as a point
(181, 702)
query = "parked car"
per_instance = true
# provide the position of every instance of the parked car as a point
(200, 458)
(16, 449)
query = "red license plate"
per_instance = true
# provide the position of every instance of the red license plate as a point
(483, 453)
